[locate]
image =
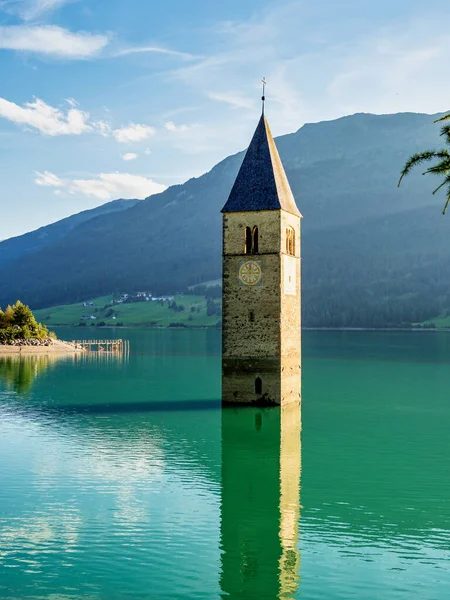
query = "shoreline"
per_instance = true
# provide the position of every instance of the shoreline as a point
(376, 329)
(56, 347)
(435, 329)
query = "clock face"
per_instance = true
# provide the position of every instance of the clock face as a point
(250, 273)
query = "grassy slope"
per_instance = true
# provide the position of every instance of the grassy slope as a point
(440, 322)
(153, 314)
(139, 313)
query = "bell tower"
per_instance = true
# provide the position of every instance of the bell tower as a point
(261, 337)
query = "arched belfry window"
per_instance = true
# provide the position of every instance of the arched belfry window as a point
(258, 385)
(290, 241)
(251, 241)
(248, 241)
(255, 240)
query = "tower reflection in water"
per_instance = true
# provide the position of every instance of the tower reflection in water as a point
(261, 464)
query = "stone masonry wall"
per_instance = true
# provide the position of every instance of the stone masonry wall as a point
(290, 317)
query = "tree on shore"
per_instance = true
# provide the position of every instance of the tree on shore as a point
(441, 158)
(18, 322)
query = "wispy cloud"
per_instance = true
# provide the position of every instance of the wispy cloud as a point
(193, 139)
(267, 44)
(232, 99)
(35, 8)
(48, 179)
(133, 133)
(394, 71)
(59, 42)
(153, 50)
(32, 9)
(105, 186)
(51, 40)
(317, 70)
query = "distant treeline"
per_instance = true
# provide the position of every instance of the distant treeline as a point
(208, 291)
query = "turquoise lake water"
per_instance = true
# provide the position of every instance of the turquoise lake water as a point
(122, 478)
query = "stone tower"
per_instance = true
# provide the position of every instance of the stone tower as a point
(261, 281)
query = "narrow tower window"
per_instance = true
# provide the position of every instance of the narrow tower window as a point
(255, 244)
(251, 316)
(258, 385)
(248, 241)
(290, 241)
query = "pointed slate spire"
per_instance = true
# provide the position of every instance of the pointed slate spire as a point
(261, 183)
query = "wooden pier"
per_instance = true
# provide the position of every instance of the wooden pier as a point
(109, 346)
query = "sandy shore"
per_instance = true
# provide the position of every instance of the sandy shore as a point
(56, 347)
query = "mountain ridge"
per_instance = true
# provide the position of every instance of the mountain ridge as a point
(15, 247)
(344, 176)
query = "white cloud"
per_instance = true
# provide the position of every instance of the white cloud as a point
(116, 185)
(147, 151)
(105, 186)
(48, 179)
(47, 119)
(52, 121)
(133, 133)
(129, 156)
(51, 40)
(170, 126)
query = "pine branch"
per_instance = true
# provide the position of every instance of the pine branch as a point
(445, 131)
(446, 117)
(416, 159)
(448, 200)
(442, 168)
(445, 182)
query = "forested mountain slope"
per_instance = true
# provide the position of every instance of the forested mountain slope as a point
(18, 246)
(373, 255)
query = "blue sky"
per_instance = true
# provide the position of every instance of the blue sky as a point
(101, 99)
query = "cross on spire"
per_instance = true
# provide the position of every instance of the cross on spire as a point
(263, 97)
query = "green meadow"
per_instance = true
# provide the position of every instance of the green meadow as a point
(183, 311)
(440, 322)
